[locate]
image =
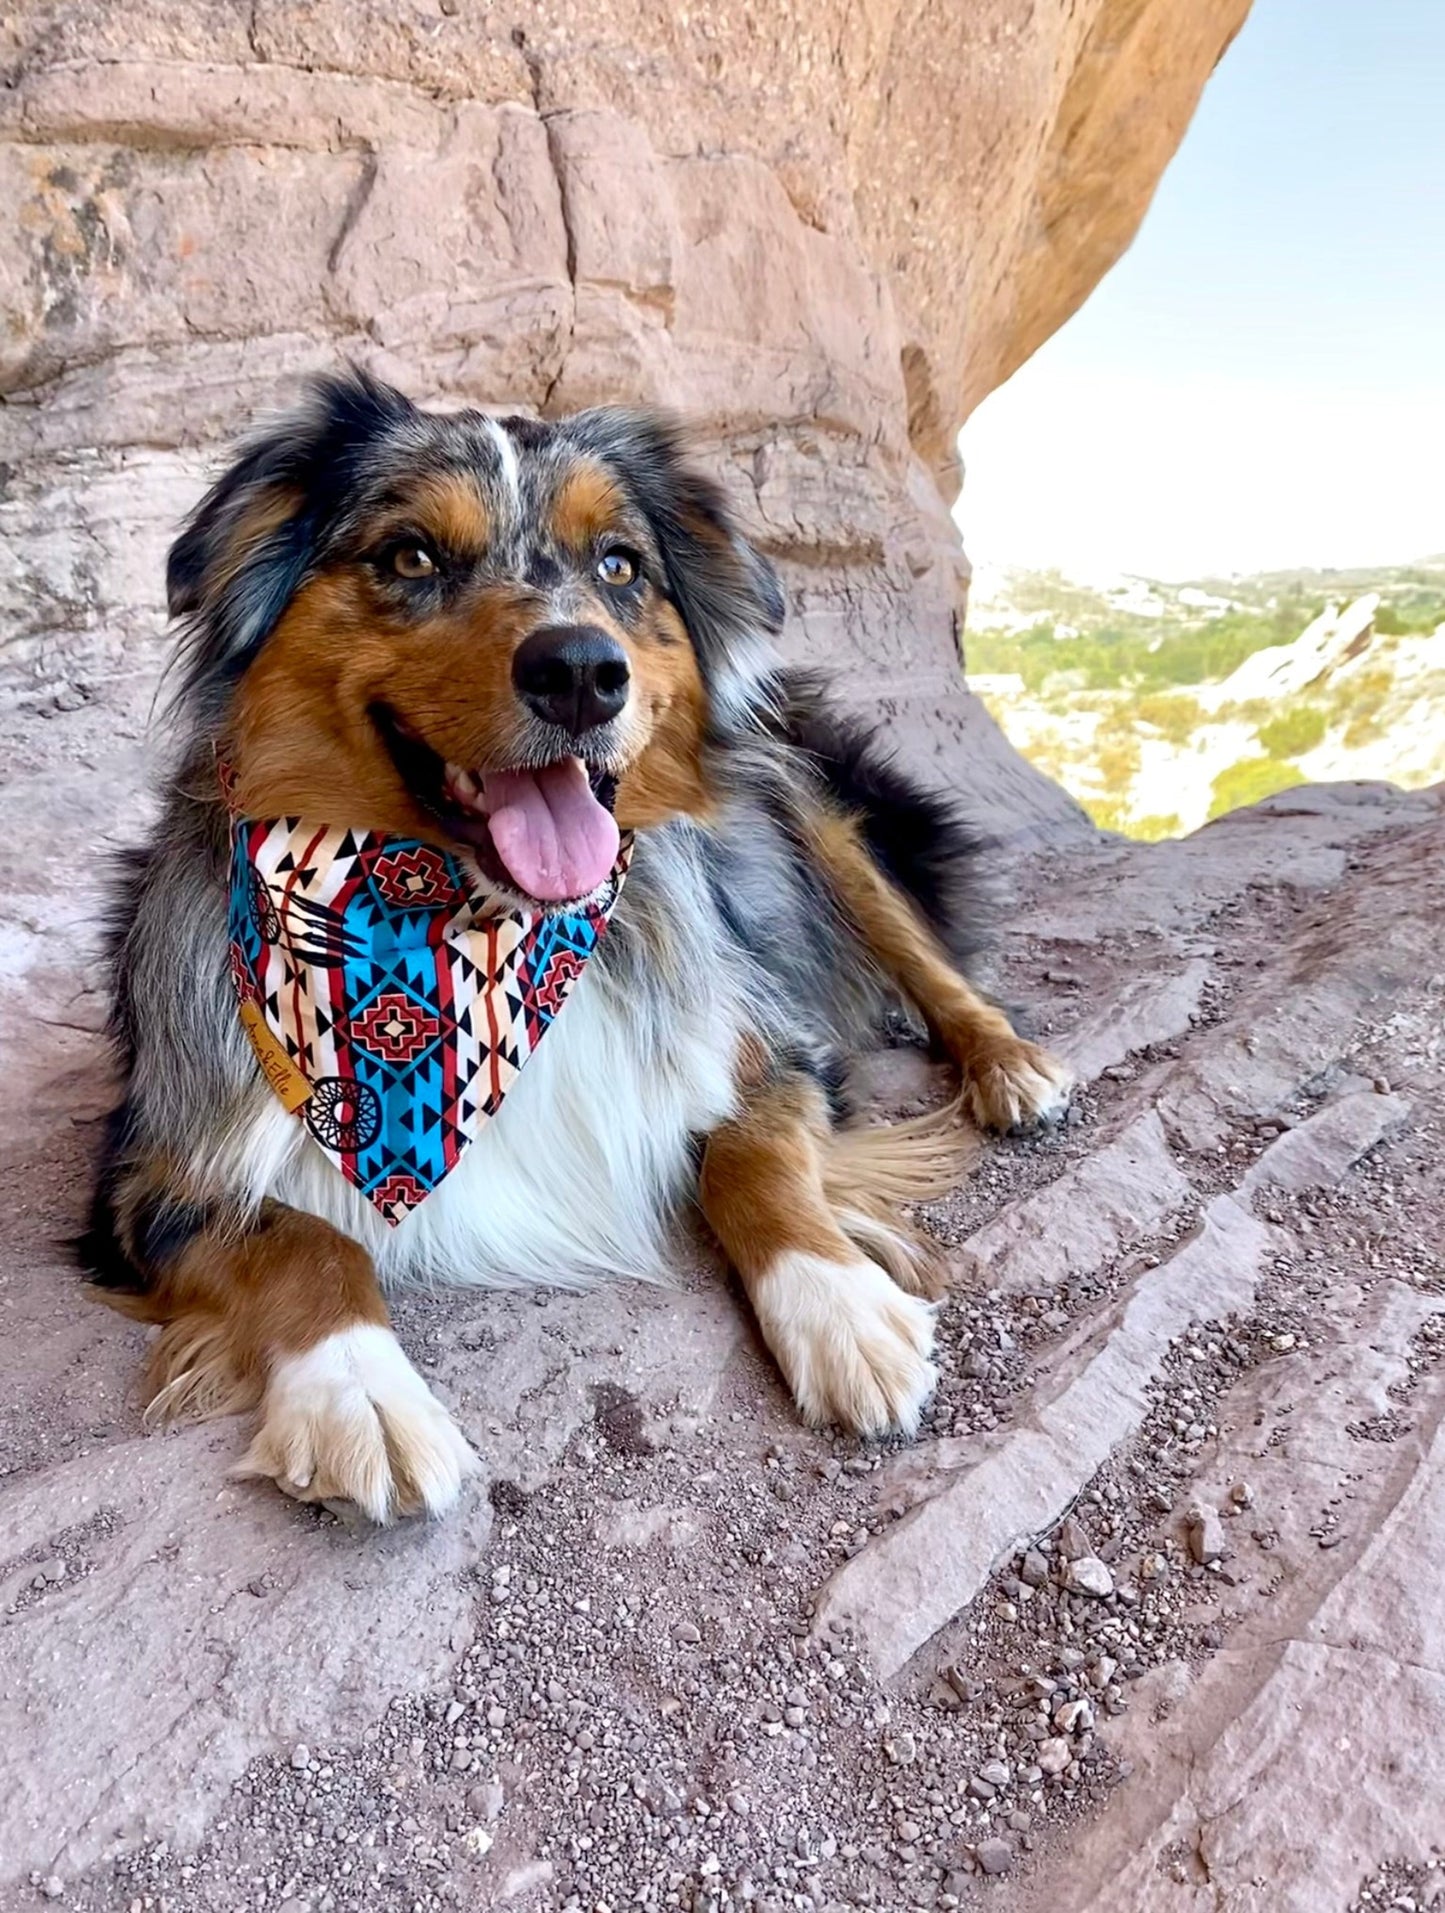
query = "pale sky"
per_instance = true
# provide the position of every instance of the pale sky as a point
(1260, 382)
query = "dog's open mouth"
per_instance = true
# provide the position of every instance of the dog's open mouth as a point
(545, 831)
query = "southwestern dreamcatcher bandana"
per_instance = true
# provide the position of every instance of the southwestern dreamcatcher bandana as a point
(391, 994)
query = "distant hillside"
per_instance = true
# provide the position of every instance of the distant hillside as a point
(1162, 705)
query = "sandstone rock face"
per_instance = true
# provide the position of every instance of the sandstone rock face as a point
(680, 1646)
(820, 232)
(680, 1650)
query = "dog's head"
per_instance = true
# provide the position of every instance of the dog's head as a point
(455, 627)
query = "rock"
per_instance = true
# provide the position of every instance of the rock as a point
(301, 1756)
(687, 1634)
(1083, 1218)
(486, 1801)
(201, 202)
(1034, 1569)
(902, 1750)
(1205, 1531)
(995, 1773)
(1242, 1495)
(1074, 1717)
(1072, 1540)
(1089, 1575)
(994, 1857)
(690, 240)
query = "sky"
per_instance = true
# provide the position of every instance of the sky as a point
(1260, 382)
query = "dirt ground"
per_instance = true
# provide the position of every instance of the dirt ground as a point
(1152, 1614)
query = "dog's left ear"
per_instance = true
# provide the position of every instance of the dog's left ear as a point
(727, 594)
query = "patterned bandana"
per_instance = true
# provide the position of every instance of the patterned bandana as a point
(392, 994)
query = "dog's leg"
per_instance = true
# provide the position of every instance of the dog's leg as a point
(852, 1344)
(288, 1313)
(1008, 1082)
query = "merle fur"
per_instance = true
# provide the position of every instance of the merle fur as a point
(294, 501)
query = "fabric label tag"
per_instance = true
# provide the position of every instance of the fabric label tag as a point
(276, 1066)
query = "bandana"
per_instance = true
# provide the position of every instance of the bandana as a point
(392, 994)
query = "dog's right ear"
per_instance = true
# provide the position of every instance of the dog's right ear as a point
(249, 544)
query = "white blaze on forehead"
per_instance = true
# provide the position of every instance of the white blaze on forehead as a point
(507, 457)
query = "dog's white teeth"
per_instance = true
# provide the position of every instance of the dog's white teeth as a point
(463, 785)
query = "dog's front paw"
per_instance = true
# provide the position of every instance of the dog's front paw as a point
(1016, 1085)
(854, 1348)
(351, 1420)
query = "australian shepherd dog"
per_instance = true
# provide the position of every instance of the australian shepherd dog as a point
(513, 640)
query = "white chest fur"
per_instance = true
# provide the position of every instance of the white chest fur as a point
(582, 1168)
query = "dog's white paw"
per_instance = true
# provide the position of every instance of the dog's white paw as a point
(854, 1348)
(351, 1420)
(1017, 1085)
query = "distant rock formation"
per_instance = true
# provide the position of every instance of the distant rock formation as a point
(1335, 638)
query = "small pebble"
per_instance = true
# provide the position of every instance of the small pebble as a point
(300, 1756)
(1073, 1539)
(1089, 1575)
(486, 1801)
(1034, 1570)
(1206, 1535)
(994, 1856)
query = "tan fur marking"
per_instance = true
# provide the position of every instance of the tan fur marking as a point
(1007, 1079)
(231, 1305)
(851, 1339)
(761, 1186)
(447, 510)
(264, 512)
(669, 777)
(586, 504)
(303, 743)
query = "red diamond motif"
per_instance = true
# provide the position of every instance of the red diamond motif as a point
(414, 877)
(562, 971)
(398, 1195)
(395, 1028)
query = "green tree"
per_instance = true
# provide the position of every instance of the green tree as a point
(1249, 780)
(1294, 732)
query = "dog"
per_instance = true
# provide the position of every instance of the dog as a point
(543, 649)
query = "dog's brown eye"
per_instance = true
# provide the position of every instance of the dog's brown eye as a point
(617, 567)
(413, 561)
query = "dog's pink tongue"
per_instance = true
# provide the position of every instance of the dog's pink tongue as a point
(554, 837)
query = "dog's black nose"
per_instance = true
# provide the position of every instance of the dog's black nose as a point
(573, 675)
